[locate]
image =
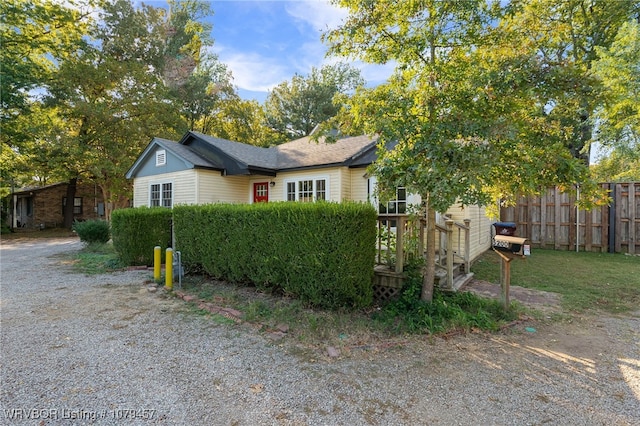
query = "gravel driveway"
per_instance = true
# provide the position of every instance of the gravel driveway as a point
(79, 349)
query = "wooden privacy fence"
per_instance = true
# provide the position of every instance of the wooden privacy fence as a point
(552, 220)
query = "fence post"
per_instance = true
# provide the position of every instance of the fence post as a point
(467, 246)
(400, 244)
(449, 223)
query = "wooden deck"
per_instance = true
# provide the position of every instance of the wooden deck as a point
(401, 237)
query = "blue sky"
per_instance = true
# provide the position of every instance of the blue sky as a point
(264, 43)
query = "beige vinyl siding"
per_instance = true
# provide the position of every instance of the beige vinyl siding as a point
(215, 188)
(344, 184)
(183, 187)
(141, 192)
(359, 184)
(334, 184)
(480, 234)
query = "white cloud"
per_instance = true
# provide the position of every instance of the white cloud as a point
(272, 60)
(252, 71)
(319, 14)
(322, 16)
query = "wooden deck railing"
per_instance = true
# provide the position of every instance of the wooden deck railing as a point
(451, 250)
(401, 236)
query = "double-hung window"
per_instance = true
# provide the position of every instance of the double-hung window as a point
(161, 195)
(307, 190)
(396, 206)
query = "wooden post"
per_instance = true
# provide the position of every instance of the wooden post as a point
(467, 246)
(449, 224)
(505, 278)
(633, 214)
(379, 241)
(557, 213)
(543, 219)
(400, 244)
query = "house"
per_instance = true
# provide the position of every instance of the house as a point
(43, 206)
(201, 169)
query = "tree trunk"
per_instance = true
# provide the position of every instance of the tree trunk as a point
(68, 207)
(430, 256)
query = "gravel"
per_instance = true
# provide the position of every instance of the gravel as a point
(77, 349)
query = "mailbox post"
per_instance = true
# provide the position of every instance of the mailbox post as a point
(508, 248)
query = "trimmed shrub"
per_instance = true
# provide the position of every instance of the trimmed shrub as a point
(137, 231)
(322, 253)
(93, 231)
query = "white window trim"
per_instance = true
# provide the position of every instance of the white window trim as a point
(412, 200)
(161, 157)
(173, 191)
(314, 178)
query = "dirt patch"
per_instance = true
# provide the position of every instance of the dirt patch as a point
(535, 299)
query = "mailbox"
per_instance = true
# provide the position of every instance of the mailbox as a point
(508, 247)
(514, 245)
(505, 241)
(505, 228)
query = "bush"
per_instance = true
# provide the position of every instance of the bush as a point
(322, 253)
(447, 311)
(137, 231)
(93, 231)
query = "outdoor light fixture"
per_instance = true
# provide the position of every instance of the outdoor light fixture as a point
(272, 184)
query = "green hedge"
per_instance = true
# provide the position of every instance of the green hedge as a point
(135, 232)
(322, 253)
(93, 231)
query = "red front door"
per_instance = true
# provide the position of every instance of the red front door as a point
(261, 192)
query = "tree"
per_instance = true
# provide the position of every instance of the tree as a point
(122, 89)
(617, 167)
(112, 98)
(241, 120)
(566, 36)
(618, 118)
(294, 108)
(198, 81)
(36, 36)
(203, 93)
(465, 129)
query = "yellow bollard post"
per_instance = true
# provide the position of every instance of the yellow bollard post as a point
(168, 269)
(157, 262)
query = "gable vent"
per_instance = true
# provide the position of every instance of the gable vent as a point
(161, 157)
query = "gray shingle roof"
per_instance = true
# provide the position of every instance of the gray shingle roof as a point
(299, 153)
(305, 152)
(184, 152)
(242, 152)
(204, 151)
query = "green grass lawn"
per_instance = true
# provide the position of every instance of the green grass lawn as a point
(609, 282)
(97, 258)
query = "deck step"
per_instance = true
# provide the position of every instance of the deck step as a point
(460, 278)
